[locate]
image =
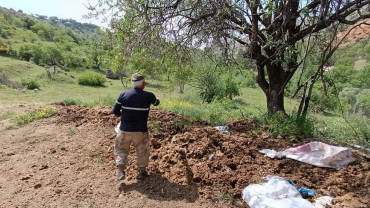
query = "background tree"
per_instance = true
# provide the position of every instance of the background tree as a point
(271, 30)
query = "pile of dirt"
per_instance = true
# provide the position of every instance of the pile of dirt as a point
(188, 153)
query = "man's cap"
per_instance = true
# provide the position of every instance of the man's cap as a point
(137, 77)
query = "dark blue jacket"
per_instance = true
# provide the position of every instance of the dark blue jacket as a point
(133, 106)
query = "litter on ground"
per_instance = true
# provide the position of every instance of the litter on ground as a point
(223, 129)
(305, 192)
(315, 153)
(323, 202)
(274, 192)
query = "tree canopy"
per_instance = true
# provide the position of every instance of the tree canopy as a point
(272, 32)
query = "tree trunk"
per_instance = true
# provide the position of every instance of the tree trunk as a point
(274, 89)
(182, 88)
(275, 100)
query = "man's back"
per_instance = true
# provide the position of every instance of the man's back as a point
(135, 105)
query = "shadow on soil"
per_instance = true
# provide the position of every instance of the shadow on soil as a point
(159, 188)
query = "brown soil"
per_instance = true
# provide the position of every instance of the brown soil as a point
(359, 33)
(192, 164)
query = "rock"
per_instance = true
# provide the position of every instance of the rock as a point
(37, 186)
(111, 75)
(25, 178)
(44, 167)
(211, 157)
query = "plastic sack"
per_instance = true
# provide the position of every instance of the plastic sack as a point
(223, 129)
(323, 202)
(316, 153)
(274, 192)
(117, 127)
(305, 192)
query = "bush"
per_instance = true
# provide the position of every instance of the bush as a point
(25, 52)
(12, 52)
(232, 88)
(91, 80)
(31, 84)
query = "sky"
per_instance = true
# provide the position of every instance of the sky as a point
(59, 8)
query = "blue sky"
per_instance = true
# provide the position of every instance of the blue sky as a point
(59, 8)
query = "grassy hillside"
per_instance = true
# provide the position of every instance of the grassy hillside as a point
(49, 40)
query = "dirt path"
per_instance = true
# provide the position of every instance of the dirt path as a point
(45, 164)
(67, 161)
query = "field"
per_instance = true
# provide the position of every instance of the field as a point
(61, 156)
(67, 161)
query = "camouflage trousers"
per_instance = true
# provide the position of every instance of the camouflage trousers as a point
(140, 140)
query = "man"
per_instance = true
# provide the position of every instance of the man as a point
(133, 106)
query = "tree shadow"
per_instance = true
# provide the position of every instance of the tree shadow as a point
(159, 188)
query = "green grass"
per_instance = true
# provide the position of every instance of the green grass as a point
(337, 128)
(251, 103)
(26, 118)
(359, 64)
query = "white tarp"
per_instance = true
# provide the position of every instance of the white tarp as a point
(274, 192)
(316, 153)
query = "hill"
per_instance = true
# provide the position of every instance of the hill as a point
(49, 40)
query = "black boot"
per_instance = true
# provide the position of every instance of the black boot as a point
(142, 175)
(121, 172)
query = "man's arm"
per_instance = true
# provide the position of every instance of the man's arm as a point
(155, 101)
(117, 106)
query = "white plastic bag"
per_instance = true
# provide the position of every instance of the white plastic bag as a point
(223, 129)
(316, 153)
(275, 192)
(117, 127)
(323, 202)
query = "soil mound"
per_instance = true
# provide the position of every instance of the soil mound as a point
(223, 164)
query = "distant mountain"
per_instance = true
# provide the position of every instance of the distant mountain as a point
(55, 21)
(50, 40)
(359, 33)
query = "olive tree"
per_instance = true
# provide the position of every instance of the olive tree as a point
(271, 31)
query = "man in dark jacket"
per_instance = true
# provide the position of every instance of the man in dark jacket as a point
(133, 106)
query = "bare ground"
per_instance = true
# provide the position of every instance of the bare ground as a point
(67, 161)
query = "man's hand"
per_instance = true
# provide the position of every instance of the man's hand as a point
(157, 102)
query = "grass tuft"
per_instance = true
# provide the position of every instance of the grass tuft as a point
(291, 126)
(32, 116)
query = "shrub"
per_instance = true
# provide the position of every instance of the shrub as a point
(91, 80)
(31, 84)
(232, 88)
(12, 52)
(25, 52)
